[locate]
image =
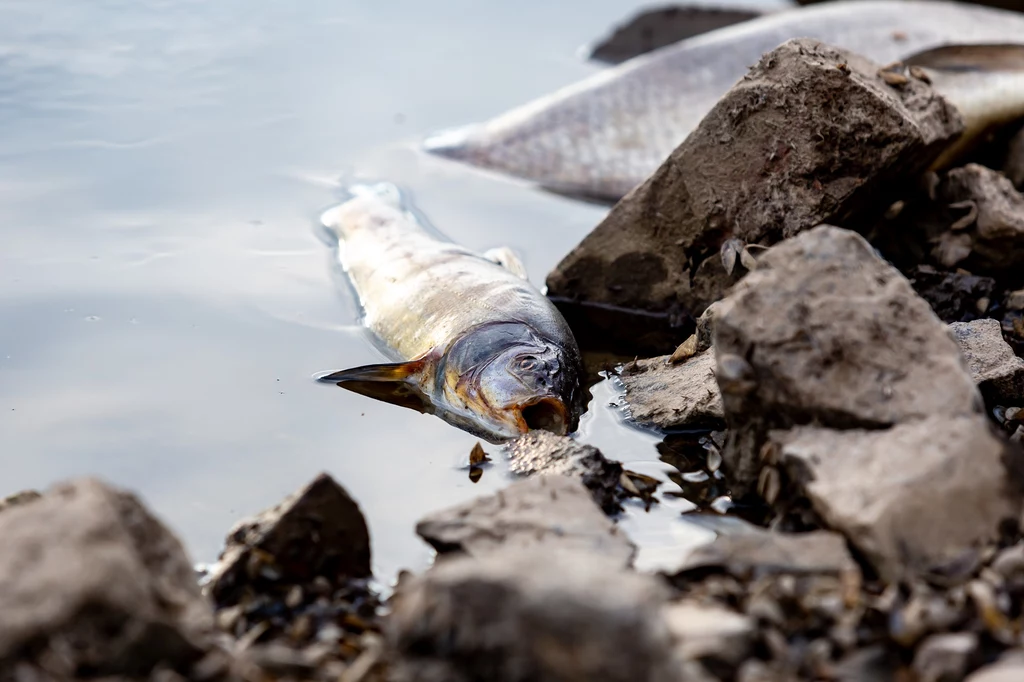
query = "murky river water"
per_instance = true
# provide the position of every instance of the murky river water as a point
(164, 300)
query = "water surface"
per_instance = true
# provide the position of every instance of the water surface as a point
(164, 300)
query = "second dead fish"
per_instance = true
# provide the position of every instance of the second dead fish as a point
(604, 135)
(477, 344)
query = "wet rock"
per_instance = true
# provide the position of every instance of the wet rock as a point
(671, 395)
(292, 584)
(945, 658)
(536, 614)
(709, 633)
(1010, 668)
(1014, 167)
(954, 296)
(805, 111)
(993, 366)
(990, 236)
(318, 531)
(547, 512)
(888, 491)
(92, 584)
(543, 452)
(754, 552)
(654, 28)
(826, 332)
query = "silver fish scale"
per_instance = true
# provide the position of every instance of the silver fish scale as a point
(604, 135)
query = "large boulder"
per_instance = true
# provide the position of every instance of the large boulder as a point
(825, 332)
(91, 583)
(812, 134)
(534, 614)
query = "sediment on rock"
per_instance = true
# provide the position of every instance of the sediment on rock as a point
(543, 452)
(848, 344)
(806, 111)
(671, 395)
(546, 511)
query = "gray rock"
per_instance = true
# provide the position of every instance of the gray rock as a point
(545, 512)
(888, 491)
(91, 581)
(1009, 668)
(530, 614)
(1015, 300)
(993, 366)
(543, 452)
(673, 395)
(945, 658)
(744, 174)
(755, 552)
(990, 238)
(281, 541)
(825, 332)
(709, 633)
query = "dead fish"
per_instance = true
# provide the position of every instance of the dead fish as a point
(477, 345)
(602, 136)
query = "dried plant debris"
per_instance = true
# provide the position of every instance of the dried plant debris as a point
(955, 296)
(477, 459)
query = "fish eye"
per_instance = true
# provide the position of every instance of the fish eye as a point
(528, 363)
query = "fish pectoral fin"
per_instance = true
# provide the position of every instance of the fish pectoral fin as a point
(507, 258)
(964, 58)
(398, 384)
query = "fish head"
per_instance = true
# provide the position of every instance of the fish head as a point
(511, 380)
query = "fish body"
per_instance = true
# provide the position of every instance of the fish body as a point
(604, 135)
(475, 343)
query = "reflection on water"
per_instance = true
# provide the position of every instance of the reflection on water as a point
(164, 301)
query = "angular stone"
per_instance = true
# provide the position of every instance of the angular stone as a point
(944, 657)
(755, 552)
(889, 491)
(744, 174)
(543, 452)
(709, 632)
(674, 395)
(318, 531)
(1009, 668)
(825, 332)
(90, 580)
(990, 238)
(993, 366)
(535, 613)
(547, 512)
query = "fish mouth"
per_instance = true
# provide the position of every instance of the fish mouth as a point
(545, 414)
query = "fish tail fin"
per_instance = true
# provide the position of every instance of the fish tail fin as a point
(333, 220)
(986, 58)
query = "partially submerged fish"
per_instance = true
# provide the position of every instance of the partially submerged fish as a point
(477, 344)
(604, 135)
